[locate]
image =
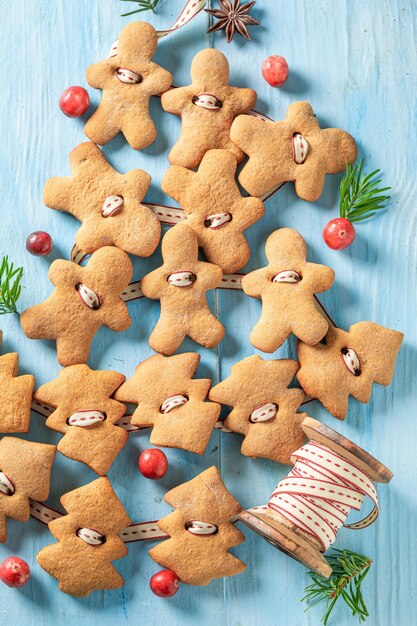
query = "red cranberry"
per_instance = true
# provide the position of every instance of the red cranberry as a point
(164, 583)
(275, 70)
(39, 243)
(339, 233)
(74, 101)
(153, 463)
(14, 572)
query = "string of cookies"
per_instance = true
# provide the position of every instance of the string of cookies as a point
(87, 405)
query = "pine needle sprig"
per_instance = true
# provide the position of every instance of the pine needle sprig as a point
(349, 571)
(10, 288)
(360, 196)
(144, 5)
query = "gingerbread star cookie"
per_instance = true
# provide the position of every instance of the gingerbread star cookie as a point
(107, 203)
(286, 287)
(84, 299)
(215, 208)
(86, 415)
(88, 540)
(264, 409)
(295, 149)
(25, 472)
(128, 78)
(181, 284)
(347, 364)
(15, 395)
(207, 108)
(171, 401)
(200, 531)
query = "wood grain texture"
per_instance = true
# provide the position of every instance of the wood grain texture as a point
(355, 62)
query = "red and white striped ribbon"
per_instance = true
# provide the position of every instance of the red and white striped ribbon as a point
(124, 422)
(133, 291)
(142, 531)
(135, 532)
(320, 491)
(229, 281)
(190, 10)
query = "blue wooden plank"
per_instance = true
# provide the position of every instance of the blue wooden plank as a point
(356, 63)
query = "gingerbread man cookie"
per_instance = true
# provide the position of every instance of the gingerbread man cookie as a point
(295, 149)
(264, 409)
(214, 207)
(128, 78)
(287, 286)
(207, 108)
(107, 203)
(15, 395)
(347, 364)
(200, 531)
(84, 299)
(86, 415)
(181, 284)
(171, 401)
(88, 540)
(25, 472)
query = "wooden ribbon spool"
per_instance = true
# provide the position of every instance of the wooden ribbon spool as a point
(290, 539)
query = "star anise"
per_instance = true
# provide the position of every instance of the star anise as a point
(233, 16)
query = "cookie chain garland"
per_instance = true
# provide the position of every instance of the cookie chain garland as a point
(166, 214)
(331, 476)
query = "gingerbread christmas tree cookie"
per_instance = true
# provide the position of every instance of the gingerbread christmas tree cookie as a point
(84, 299)
(171, 401)
(215, 208)
(181, 284)
(86, 415)
(347, 364)
(286, 287)
(15, 395)
(128, 78)
(200, 531)
(207, 108)
(295, 149)
(264, 410)
(25, 471)
(88, 540)
(107, 203)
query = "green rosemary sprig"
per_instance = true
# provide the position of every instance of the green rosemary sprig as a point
(10, 287)
(360, 196)
(349, 571)
(144, 5)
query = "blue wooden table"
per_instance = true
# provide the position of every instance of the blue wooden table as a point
(355, 62)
